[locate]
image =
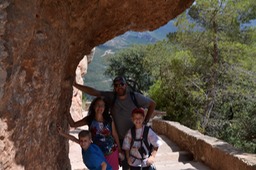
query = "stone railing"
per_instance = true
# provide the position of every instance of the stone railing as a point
(216, 154)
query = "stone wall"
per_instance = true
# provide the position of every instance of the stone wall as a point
(41, 45)
(213, 152)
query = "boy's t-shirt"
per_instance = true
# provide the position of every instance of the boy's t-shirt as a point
(93, 157)
(152, 139)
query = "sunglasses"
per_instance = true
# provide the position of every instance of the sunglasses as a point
(119, 85)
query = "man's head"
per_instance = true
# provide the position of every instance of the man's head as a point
(120, 85)
(85, 139)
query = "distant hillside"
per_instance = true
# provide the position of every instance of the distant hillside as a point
(95, 76)
(131, 37)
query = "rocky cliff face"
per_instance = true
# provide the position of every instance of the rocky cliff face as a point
(41, 44)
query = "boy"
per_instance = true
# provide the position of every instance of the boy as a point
(137, 141)
(93, 157)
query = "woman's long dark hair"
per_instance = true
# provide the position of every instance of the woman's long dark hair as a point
(91, 111)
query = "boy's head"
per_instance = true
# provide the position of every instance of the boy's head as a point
(138, 117)
(85, 139)
(138, 111)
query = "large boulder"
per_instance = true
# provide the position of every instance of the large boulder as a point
(41, 44)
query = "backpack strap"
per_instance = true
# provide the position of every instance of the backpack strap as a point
(149, 146)
(134, 100)
(133, 133)
(132, 94)
(145, 136)
(143, 140)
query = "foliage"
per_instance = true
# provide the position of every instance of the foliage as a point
(205, 73)
(219, 87)
(171, 92)
(129, 63)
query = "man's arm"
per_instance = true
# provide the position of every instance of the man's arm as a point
(89, 90)
(150, 111)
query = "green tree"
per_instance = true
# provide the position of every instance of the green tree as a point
(129, 63)
(205, 73)
(220, 82)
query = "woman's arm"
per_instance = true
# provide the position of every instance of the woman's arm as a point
(78, 123)
(115, 135)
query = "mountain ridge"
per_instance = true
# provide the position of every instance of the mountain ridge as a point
(95, 74)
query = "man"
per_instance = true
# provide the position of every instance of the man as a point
(121, 104)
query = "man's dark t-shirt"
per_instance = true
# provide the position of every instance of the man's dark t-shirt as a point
(122, 110)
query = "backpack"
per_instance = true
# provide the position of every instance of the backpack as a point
(133, 85)
(143, 140)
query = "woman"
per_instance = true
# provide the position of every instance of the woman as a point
(103, 130)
